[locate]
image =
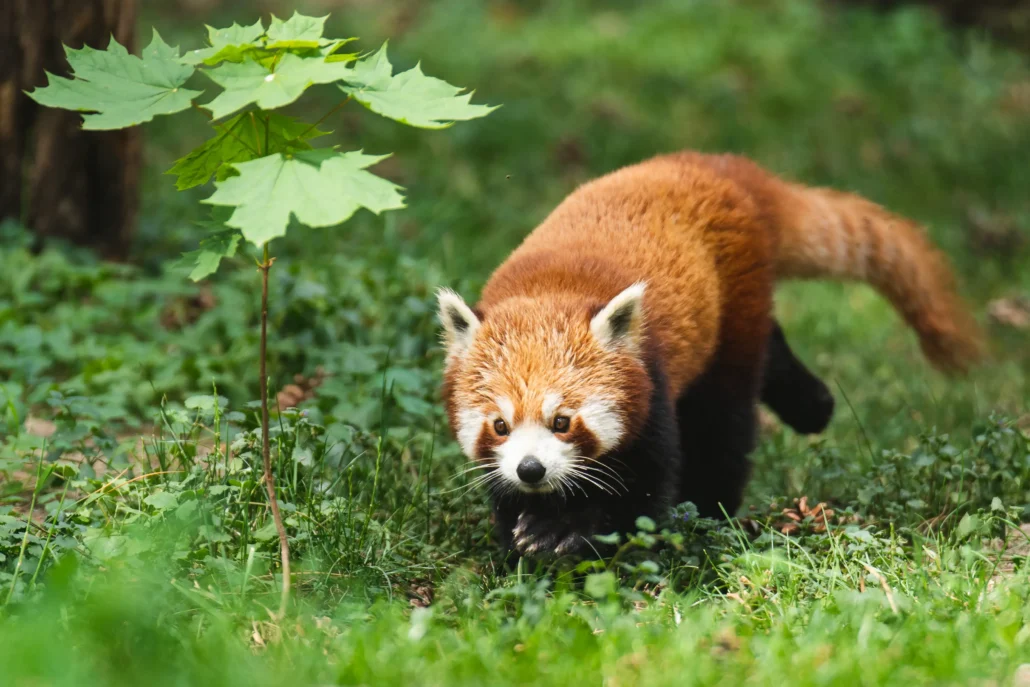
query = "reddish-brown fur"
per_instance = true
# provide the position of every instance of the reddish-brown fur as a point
(827, 233)
(513, 358)
(709, 236)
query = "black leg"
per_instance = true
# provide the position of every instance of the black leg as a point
(546, 527)
(718, 422)
(640, 478)
(797, 396)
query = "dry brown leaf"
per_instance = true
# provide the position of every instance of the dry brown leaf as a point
(819, 515)
(1011, 312)
(302, 389)
(420, 594)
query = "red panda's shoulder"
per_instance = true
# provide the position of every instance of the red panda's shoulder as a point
(690, 226)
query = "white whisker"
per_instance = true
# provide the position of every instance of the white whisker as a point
(599, 475)
(593, 480)
(617, 460)
(607, 472)
(457, 476)
(573, 485)
(568, 479)
(473, 484)
(476, 466)
(560, 482)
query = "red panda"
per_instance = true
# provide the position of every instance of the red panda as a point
(615, 360)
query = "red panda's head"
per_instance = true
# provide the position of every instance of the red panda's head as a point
(538, 389)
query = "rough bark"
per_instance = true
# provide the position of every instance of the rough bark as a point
(61, 181)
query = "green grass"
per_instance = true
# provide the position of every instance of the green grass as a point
(150, 556)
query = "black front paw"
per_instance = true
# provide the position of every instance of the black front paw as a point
(556, 535)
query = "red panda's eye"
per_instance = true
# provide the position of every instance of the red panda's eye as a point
(561, 424)
(501, 427)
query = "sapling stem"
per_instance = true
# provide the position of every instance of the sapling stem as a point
(336, 108)
(28, 526)
(284, 543)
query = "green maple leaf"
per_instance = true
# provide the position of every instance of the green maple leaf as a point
(372, 70)
(410, 97)
(122, 89)
(321, 188)
(238, 140)
(250, 82)
(300, 35)
(331, 54)
(205, 260)
(235, 34)
(230, 43)
(298, 31)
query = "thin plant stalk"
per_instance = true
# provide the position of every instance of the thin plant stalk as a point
(49, 536)
(28, 526)
(284, 543)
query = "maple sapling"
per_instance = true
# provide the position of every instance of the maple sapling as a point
(264, 166)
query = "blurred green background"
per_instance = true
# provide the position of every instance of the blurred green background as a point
(928, 117)
(929, 120)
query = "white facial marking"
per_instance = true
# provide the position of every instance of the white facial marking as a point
(532, 439)
(601, 418)
(470, 424)
(507, 409)
(552, 402)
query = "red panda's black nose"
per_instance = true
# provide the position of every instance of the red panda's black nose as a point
(530, 470)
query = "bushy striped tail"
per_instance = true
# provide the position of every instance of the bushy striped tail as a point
(827, 233)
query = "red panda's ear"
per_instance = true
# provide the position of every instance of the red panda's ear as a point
(458, 320)
(620, 324)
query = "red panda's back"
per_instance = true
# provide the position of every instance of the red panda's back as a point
(691, 234)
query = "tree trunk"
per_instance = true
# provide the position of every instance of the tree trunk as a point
(61, 181)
